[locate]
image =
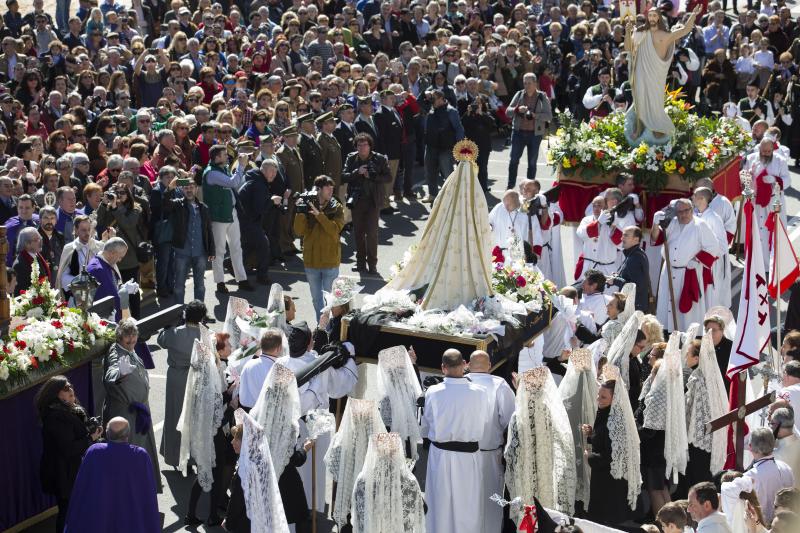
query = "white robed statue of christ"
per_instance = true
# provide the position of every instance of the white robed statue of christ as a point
(452, 259)
(651, 47)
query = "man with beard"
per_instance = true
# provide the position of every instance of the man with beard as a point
(652, 47)
(52, 240)
(767, 169)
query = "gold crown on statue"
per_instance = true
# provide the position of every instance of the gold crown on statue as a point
(465, 150)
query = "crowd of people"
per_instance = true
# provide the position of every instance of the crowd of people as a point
(144, 142)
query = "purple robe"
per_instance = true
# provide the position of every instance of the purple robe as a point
(109, 282)
(115, 491)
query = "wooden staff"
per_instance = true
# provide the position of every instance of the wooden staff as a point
(669, 281)
(313, 486)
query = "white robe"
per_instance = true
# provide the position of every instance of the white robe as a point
(598, 250)
(531, 356)
(552, 254)
(720, 292)
(724, 208)
(455, 410)
(505, 225)
(685, 243)
(332, 383)
(595, 306)
(501, 407)
(777, 169)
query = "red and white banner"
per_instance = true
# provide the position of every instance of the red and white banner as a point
(752, 322)
(787, 266)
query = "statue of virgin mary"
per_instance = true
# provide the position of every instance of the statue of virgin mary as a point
(452, 260)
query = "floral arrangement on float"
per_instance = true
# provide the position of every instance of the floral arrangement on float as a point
(699, 147)
(45, 334)
(519, 289)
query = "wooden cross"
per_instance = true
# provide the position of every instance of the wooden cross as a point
(739, 415)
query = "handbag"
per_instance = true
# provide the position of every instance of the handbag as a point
(164, 231)
(144, 250)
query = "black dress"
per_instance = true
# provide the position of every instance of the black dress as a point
(608, 497)
(293, 494)
(236, 519)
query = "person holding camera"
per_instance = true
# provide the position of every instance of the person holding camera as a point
(219, 194)
(365, 172)
(192, 239)
(118, 209)
(478, 127)
(67, 432)
(319, 222)
(530, 111)
(599, 99)
(260, 205)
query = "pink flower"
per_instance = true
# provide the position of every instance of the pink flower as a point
(337, 293)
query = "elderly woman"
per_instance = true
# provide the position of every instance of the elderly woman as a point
(127, 388)
(29, 248)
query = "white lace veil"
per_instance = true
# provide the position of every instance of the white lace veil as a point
(399, 389)
(717, 400)
(237, 308)
(691, 333)
(345, 456)
(540, 453)
(275, 306)
(620, 350)
(277, 410)
(629, 290)
(625, 453)
(259, 481)
(578, 391)
(202, 410)
(387, 497)
(665, 408)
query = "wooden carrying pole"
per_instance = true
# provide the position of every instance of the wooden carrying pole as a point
(669, 281)
(314, 486)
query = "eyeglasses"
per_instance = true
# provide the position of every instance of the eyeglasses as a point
(117, 170)
(143, 120)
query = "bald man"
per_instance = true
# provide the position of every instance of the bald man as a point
(456, 415)
(501, 406)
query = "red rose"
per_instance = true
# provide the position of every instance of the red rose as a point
(20, 344)
(20, 327)
(42, 279)
(5, 349)
(520, 281)
(103, 323)
(23, 291)
(37, 301)
(57, 324)
(53, 354)
(34, 362)
(599, 154)
(497, 255)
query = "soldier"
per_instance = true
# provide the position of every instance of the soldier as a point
(310, 151)
(289, 156)
(389, 142)
(331, 150)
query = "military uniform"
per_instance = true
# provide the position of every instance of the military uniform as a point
(292, 164)
(311, 154)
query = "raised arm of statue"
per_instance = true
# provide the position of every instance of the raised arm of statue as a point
(629, 46)
(678, 33)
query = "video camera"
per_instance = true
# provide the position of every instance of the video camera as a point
(304, 199)
(669, 213)
(621, 209)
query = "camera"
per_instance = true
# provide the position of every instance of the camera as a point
(92, 424)
(110, 196)
(529, 114)
(669, 214)
(304, 199)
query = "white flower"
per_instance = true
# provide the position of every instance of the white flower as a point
(3, 371)
(35, 312)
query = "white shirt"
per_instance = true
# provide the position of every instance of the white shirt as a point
(714, 523)
(787, 450)
(792, 395)
(769, 476)
(252, 378)
(332, 383)
(595, 304)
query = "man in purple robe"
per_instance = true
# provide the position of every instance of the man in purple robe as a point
(115, 489)
(103, 267)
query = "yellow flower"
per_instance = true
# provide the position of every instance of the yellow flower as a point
(559, 132)
(549, 157)
(611, 145)
(670, 165)
(699, 140)
(565, 162)
(642, 150)
(699, 166)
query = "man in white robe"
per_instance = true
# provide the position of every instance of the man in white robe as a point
(722, 207)
(501, 407)
(508, 222)
(546, 223)
(768, 168)
(692, 246)
(600, 241)
(592, 307)
(719, 292)
(316, 394)
(455, 418)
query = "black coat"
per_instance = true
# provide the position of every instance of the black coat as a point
(311, 153)
(478, 128)
(390, 133)
(236, 519)
(608, 500)
(345, 137)
(22, 268)
(292, 492)
(367, 192)
(65, 439)
(635, 268)
(7, 212)
(254, 200)
(178, 211)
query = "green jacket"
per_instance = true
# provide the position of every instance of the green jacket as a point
(218, 199)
